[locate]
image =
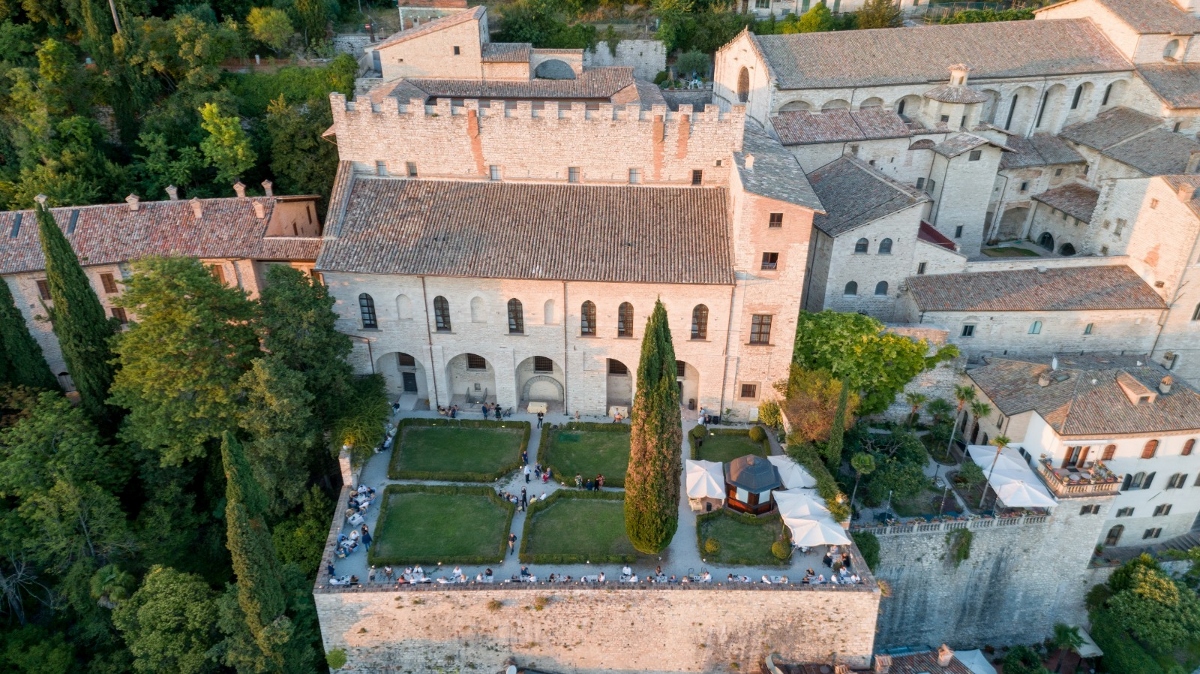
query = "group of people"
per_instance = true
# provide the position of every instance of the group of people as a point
(590, 485)
(521, 500)
(346, 544)
(545, 475)
(492, 409)
(451, 411)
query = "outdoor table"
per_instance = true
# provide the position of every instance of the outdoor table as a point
(534, 408)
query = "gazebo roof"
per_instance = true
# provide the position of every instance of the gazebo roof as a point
(752, 473)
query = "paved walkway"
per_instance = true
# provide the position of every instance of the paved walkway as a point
(681, 557)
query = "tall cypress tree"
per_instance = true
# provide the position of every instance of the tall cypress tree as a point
(655, 442)
(260, 590)
(82, 328)
(21, 359)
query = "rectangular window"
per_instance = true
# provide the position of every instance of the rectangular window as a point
(405, 360)
(760, 329)
(680, 369)
(475, 362)
(1161, 510)
(573, 174)
(457, 50)
(945, 119)
(776, 220)
(43, 289)
(412, 169)
(770, 260)
(493, 172)
(1119, 227)
(109, 283)
(16, 228)
(119, 314)
(920, 183)
(921, 268)
(381, 168)
(542, 364)
(975, 155)
(932, 184)
(218, 272)
(1090, 510)
(1125, 512)
(762, 4)
(1087, 329)
(958, 232)
(697, 177)
(1154, 203)
(635, 176)
(1152, 533)
(1025, 186)
(749, 390)
(968, 331)
(617, 367)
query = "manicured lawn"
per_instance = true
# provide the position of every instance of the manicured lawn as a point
(427, 528)
(742, 542)
(726, 447)
(449, 453)
(1009, 252)
(577, 530)
(569, 452)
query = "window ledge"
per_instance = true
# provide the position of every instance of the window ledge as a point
(698, 339)
(516, 334)
(759, 344)
(369, 330)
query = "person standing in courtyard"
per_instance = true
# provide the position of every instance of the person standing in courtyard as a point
(525, 456)
(524, 497)
(512, 542)
(497, 408)
(527, 473)
(540, 417)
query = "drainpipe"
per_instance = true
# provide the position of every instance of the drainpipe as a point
(566, 356)
(725, 352)
(429, 338)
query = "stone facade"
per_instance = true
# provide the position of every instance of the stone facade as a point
(647, 57)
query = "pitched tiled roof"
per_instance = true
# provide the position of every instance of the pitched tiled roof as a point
(801, 127)
(1041, 149)
(1084, 398)
(1077, 201)
(530, 231)
(1177, 84)
(776, 173)
(1151, 16)
(1178, 181)
(858, 58)
(506, 52)
(1156, 152)
(595, 83)
(960, 143)
(854, 193)
(1055, 289)
(434, 26)
(111, 233)
(1110, 127)
(952, 94)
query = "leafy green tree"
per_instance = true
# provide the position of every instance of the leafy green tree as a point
(55, 441)
(169, 623)
(301, 160)
(1066, 639)
(76, 521)
(183, 52)
(837, 431)
(818, 19)
(227, 146)
(671, 15)
(656, 434)
(693, 63)
(312, 18)
(1154, 609)
(31, 649)
(22, 361)
(79, 322)
(971, 473)
(160, 164)
(360, 424)
(1023, 660)
(856, 348)
(277, 415)
(863, 464)
(914, 400)
(300, 539)
(270, 26)
(181, 361)
(810, 402)
(299, 327)
(880, 14)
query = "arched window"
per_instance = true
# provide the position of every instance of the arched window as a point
(881, 289)
(743, 85)
(1196, 313)
(1171, 50)
(861, 246)
(1012, 109)
(1066, 250)
(366, 307)
(1042, 109)
(1150, 449)
(900, 107)
(1188, 446)
(1107, 93)
(404, 308)
(851, 289)
(1078, 95)
(441, 314)
(1114, 535)
(625, 320)
(587, 319)
(1109, 452)
(477, 312)
(885, 247)
(548, 312)
(700, 322)
(1046, 240)
(1036, 328)
(516, 317)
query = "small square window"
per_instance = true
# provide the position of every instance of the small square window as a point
(1087, 329)
(381, 168)
(920, 183)
(762, 4)
(109, 283)
(635, 176)
(975, 155)
(968, 331)
(921, 268)
(494, 172)
(43, 289)
(1104, 250)
(776, 220)
(680, 368)
(770, 260)
(412, 169)
(457, 50)
(697, 177)
(542, 364)
(1057, 172)
(1025, 186)
(573, 174)
(119, 314)
(749, 390)
(958, 232)
(945, 119)
(1125, 512)
(1154, 203)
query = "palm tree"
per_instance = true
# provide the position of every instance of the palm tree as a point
(980, 410)
(915, 400)
(964, 395)
(1000, 442)
(1066, 639)
(863, 464)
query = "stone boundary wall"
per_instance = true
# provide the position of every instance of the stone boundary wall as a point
(697, 98)
(1006, 264)
(647, 57)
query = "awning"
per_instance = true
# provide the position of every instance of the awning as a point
(975, 661)
(791, 474)
(800, 503)
(705, 479)
(1012, 479)
(1088, 649)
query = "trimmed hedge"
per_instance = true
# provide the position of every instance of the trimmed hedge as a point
(694, 453)
(465, 490)
(546, 447)
(808, 457)
(527, 557)
(456, 476)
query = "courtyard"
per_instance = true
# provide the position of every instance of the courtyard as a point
(587, 450)
(464, 452)
(729, 539)
(577, 528)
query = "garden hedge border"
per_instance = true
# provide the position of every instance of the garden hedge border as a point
(527, 557)
(546, 454)
(467, 490)
(456, 476)
(766, 441)
(742, 518)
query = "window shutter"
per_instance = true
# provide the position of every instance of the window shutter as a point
(1149, 479)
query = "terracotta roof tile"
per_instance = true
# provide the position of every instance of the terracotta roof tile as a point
(854, 193)
(1110, 127)
(531, 231)
(506, 52)
(1077, 201)
(434, 26)
(925, 663)
(1056, 289)
(595, 83)
(1177, 84)
(956, 94)
(802, 127)
(1041, 149)
(776, 173)
(961, 142)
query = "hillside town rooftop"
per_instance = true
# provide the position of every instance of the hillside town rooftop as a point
(1150, 16)
(774, 172)
(1111, 127)
(1040, 149)
(802, 127)
(1074, 199)
(1177, 84)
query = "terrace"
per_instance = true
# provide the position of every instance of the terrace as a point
(1075, 482)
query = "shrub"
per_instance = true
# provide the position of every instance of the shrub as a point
(959, 544)
(868, 545)
(540, 602)
(692, 62)
(495, 605)
(781, 550)
(712, 546)
(971, 473)
(827, 487)
(757, 434)
(336, 659)
(769, 414)
(698, 431)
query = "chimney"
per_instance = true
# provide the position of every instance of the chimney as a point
(1044, 379)
(239, 188)
(1186, 192)
(267, 184)
(1164, 386)
(945, 656)
(883, 663)
(260, 211)
(197, 208)
(132, 200)
(958, 74)
(172, 193)
(749, 162)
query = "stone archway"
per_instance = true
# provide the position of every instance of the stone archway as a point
(471, 379)
(541, 381)
(554, 69)
(1046, 240)
(1066, 250)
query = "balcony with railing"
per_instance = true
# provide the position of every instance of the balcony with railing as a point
(1077, 482)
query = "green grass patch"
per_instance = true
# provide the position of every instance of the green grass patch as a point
(1009, 252)
(574, 527)
(727, 444)
(457, 450)
(744, 540)
(586, 449)
(427, 524)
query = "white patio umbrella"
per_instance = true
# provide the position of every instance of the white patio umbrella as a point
(812, 532)
(1015, 492)
(801, 503)
(1009, 460)
(791, 473)
(705, 479)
